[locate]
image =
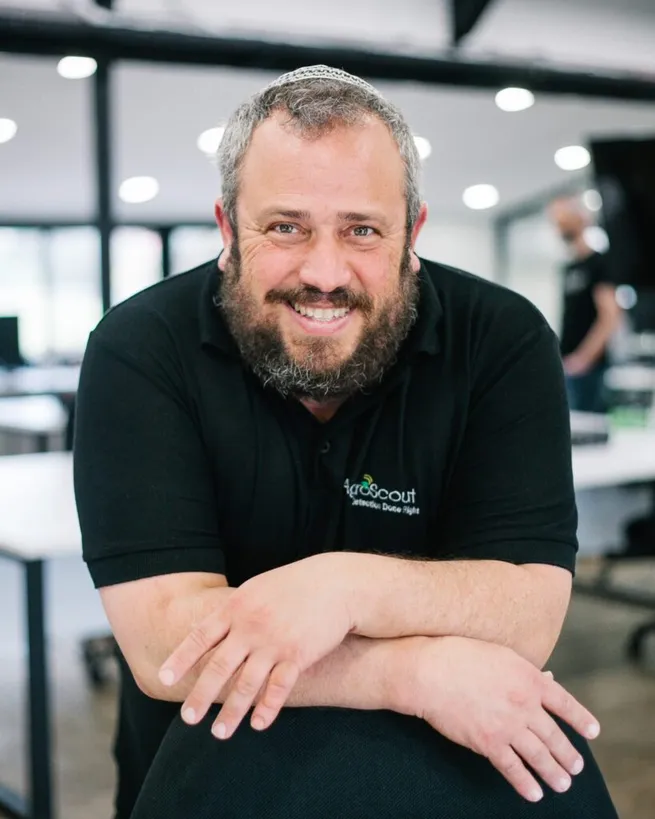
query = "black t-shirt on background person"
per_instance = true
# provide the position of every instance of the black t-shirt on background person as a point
(579, 313)
(185, 462)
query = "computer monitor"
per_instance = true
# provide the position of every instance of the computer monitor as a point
(9, 344)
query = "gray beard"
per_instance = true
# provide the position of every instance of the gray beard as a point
(263, 350)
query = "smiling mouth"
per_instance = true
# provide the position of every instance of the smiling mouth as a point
(324, 314)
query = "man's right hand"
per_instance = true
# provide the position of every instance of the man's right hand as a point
(489, 699)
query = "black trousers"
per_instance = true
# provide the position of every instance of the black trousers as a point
(328, 763)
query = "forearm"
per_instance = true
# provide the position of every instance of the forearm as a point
(361, 673)
(595, 342)
(487, 600)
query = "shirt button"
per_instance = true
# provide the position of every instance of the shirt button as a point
(325, 448)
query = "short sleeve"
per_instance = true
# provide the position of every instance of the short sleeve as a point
(143, 483)
(511, 494)
(602, 271)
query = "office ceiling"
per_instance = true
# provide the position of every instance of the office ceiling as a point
(46, 170)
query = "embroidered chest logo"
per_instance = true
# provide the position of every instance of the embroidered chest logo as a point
(367, 493)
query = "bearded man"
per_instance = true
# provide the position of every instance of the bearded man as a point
(325, 492)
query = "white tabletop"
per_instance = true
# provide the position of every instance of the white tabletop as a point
(61, 380)
(628, 457)
(38, 518)
(32, 415)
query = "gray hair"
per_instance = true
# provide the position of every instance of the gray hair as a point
(317, 98)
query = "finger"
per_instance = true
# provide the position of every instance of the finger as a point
(221, 665)
(280, 684)
(559, 702)
(510, 766)
(247, 685)
(560, 746)
(533, 751)
(202, 639)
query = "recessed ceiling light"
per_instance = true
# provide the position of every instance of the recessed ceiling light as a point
(138, 189)
(514, 99)
(572, 158)
(481, 197)
(423, 146)
(592, 200)
(8, 129)
(209, 140)
(596, 238)
(76, 68)
(626, 296)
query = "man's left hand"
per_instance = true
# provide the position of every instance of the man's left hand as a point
(273, 627)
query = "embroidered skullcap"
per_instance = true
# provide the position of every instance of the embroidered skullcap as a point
(322, 72)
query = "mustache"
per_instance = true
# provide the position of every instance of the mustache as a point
(307, 296)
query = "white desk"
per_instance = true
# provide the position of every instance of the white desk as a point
(62, 380)
(37, 416)
(38, 521)
(629, 457)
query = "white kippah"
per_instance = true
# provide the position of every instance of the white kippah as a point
(322, 72)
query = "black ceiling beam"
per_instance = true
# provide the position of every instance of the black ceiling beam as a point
(56, 34)
(464, 16)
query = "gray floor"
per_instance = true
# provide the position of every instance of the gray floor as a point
(589, 660)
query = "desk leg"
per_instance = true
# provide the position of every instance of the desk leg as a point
(39, 762)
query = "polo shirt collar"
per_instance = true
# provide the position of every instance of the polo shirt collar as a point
(214, 331)
(423, 337)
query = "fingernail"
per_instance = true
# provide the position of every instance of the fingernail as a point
(564, 784)
(189, 716)
(258, 723)
(593, 731)
(166, 676)
(219, 730)
(535, 795)
(578, 765)
(549, 674)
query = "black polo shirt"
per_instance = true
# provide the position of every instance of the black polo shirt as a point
(579, 280)
(185, 462)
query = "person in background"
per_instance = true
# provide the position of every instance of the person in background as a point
(590, 313)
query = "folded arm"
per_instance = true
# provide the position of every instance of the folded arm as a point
(462, 688)
(151, 617)
(522, 607)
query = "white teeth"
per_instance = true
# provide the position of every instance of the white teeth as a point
(321, 313)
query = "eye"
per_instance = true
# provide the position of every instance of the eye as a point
(284, 229)
(363, 231)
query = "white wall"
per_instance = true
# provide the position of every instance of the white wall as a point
(467, 246)
(535, 256)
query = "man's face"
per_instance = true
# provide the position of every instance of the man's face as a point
(320, 283)
(568, 220)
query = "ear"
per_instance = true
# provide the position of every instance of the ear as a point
(418, 226)
(226, 232)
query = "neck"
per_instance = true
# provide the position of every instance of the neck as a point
(322, 410)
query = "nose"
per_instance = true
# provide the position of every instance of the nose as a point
(325, 267)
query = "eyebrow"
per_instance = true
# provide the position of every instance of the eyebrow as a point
(343, 216)
(356, 216)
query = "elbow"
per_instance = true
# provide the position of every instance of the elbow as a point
(145, 686)
(147, 681)
(550, 589)
(538, 652)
